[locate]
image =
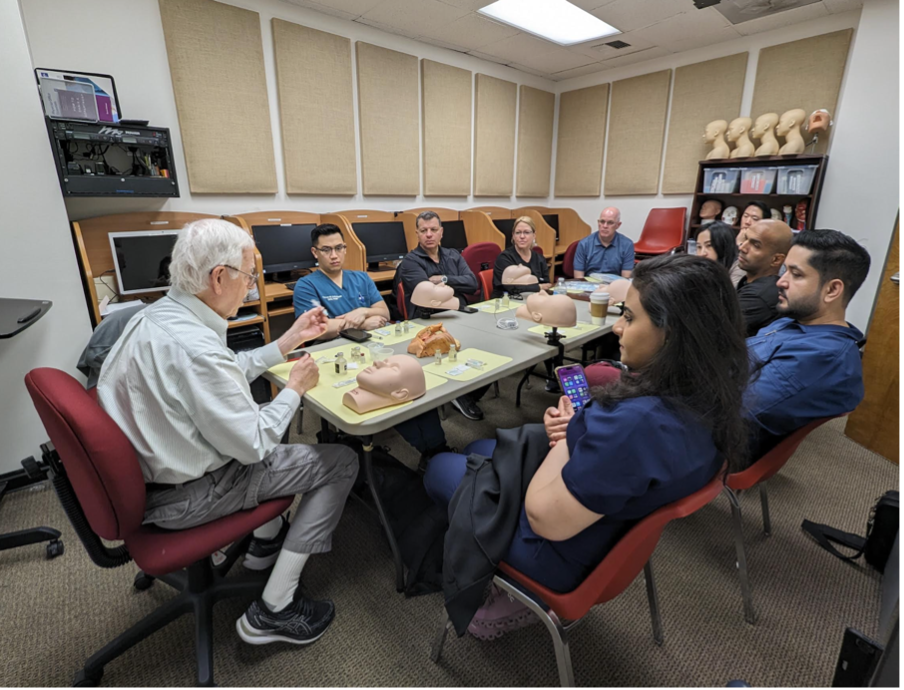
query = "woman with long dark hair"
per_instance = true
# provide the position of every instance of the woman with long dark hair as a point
(718, 242)
(656, 435)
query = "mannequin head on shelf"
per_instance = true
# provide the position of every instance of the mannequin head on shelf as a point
(518, 275)
(730, 215)
(790, 121)
(710, 210)
(394, 380)
(764, 123)
(433, 296)
(714, 130)
(738, 128)
(819, 121)
(549, 310)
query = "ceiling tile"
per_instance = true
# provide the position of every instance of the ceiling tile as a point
(578, 71)
(386, 28)
(346, 9)
(837, 6)
(470, 5)
(639, 56)
(555, 60)
(442, 44)
(470, 32)
(528, 70)
(780, 19)
(323, 9)
(684, 26)
(590, 5)
(726, 33)
(627, 15)
(489, 58)
(414, 16)
(600, 51)
(518, 48)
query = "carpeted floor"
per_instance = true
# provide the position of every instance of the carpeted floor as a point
(57, 613)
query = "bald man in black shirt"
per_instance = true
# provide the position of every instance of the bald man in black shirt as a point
(761, 256)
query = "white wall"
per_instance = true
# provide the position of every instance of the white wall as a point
(39, 259)
(860, 195)
(131, 47)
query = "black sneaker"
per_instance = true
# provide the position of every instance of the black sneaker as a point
(262, 553)
(301, 622)
(468, 408)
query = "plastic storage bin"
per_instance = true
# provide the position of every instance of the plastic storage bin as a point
(796, 179)
(757, 180)
(721, 180)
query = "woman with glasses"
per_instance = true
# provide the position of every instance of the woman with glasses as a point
(521, 253)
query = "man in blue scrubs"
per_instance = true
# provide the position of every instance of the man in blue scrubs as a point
(606, 251)
(352, 300)
(810, 356)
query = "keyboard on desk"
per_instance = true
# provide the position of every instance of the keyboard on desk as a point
(290, 286)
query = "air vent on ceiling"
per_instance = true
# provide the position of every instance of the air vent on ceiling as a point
(740, 11)
(618, 45)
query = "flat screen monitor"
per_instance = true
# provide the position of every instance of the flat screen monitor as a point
(382, 241)
(505, 225)
(78, 95)
(142, 259)
(454, 236)
(284, 247)
(552, 220)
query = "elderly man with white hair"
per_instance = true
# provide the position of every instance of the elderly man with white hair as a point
(206, 448)
(605, 251)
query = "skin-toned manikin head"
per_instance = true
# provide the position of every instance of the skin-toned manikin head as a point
(710, 209)
(764, 123)
(549, 310)
(738, 127)
(395, 380)
(714, 129)
(617, 289)
(790, 120)
(434, 296)
(518, 275)
(820, 121)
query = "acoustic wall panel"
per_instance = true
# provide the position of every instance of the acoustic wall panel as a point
(802, 74)
(581, 141)
(702, 92)
(636, 131)
(446, 95)
(216, 62)
(388, 117)
(536, 112)
(316, 112)
(494, 136)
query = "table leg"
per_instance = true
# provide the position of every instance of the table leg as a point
(394, 547)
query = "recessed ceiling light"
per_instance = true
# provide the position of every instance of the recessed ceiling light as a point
(555, 20)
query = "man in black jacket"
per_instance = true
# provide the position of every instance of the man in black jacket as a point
(429, 261)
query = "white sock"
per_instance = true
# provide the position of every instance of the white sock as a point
(269, 529)
(284, 579)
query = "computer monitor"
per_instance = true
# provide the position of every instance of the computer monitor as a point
(382, 241)
(142, 259)
(552, 220)
(505, 226)
(454, 236)
(285, 247)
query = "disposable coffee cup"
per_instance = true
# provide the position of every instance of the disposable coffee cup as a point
(599, 308)
(382, 354)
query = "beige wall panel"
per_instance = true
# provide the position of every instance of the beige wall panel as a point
(581, 141)
(447, 129)
(636, 130)
(536, 113)
(388, 117)
(494, 136)
(216, 57)
(802, 74)
(702, 92)
(316, 112)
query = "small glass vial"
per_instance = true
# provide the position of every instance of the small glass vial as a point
(453, 354)
(406, 327)
(341, 365)
(505, 300)
(398, 328)
(356, 354)
(438, 357)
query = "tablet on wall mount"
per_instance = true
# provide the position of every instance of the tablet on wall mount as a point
(68, 95)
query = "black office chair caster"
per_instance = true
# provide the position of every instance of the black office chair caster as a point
(143, 581)
(54, 549)
(88, 679)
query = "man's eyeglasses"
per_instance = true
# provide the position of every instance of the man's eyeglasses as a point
(250, 278)
(326, 251)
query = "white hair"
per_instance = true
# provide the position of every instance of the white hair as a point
(202, 246)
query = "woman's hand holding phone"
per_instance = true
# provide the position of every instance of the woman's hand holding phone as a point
(556, 420)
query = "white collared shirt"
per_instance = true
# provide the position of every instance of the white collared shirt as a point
(183, 398)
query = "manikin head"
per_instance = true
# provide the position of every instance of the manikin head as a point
(549, 310)
(429, 231)
(710, 209)
(715, 129)
(617, 289)
(790, 120)
(328, 247)
(819, 121)
(765, 249)
(394, 380)
(738, 127)
(214, 261)
(518, 275)
(609, 221)
(434, 296)
(763, 124)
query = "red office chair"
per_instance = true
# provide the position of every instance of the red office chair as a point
(400, 301)
(757, 475)
(486, 282)
(609, 579)
(480, 257)
(662, 233)
(98, 480)
(567, 266)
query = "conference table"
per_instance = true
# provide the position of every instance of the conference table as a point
(522, 348)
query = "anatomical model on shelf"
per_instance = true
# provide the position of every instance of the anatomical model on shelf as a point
(715, 134)
(737, 133)
(764, 131)
(789, 127)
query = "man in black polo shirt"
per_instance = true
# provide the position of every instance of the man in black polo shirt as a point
(761, 256)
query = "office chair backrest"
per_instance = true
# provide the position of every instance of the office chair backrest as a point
(400, 301)
(98, 458)
(662, 231)
(481, 256)
(568, 260)
(486, 282)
